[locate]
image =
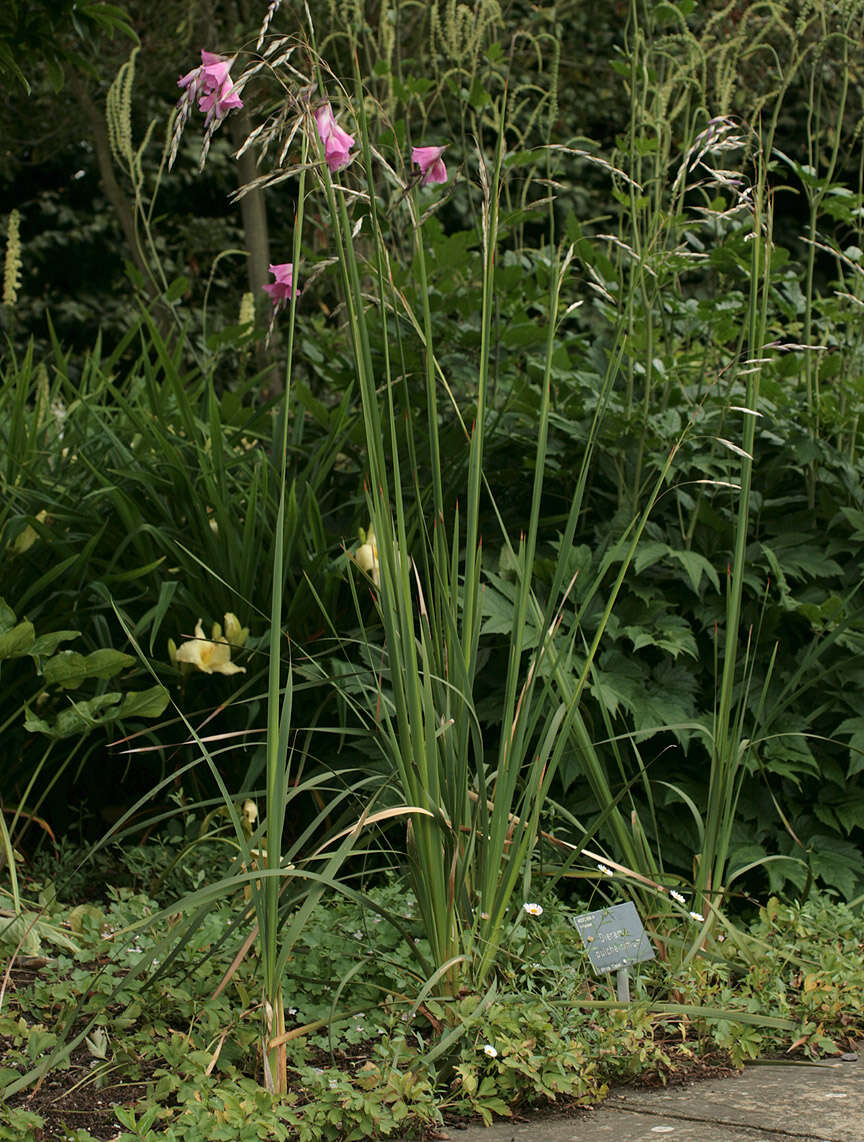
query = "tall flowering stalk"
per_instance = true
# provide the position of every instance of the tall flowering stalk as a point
(274, 951)
(729, 738)
(470, 854)
(473, 807)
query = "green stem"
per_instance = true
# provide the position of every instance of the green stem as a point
(279, 707)
(726, 755)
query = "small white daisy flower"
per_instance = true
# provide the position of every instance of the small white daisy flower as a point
(676, 895)
(605, 870)
(533, 909)
(698, 917)
(489, 1050)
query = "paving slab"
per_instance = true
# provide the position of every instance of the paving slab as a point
(609, 1126)
(822, 1102)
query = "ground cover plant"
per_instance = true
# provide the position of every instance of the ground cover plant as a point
(179, 1058)
(516, 558)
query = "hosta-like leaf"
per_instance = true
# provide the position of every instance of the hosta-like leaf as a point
(46, 644)
(7, 617)
(16, 642)
(69, 668)
(143, 704)
(103, 710)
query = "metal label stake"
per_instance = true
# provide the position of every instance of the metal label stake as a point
(615, 940)
(623, 989)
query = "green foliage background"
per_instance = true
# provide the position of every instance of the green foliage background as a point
(138, 421)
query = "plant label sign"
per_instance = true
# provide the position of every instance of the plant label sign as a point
(614, 937)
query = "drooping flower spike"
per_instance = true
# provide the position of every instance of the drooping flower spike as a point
(337, 143)
(431, 165)
(212, 86)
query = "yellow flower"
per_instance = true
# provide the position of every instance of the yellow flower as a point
(366, 557)
(213, 656)
(25, 539)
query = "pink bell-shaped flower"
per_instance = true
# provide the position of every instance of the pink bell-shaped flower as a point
(431, 165)
(337, 143)
(283, 287)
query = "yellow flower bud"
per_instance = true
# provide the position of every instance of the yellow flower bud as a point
(234, 633)
(366, 557)
(248, 816)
